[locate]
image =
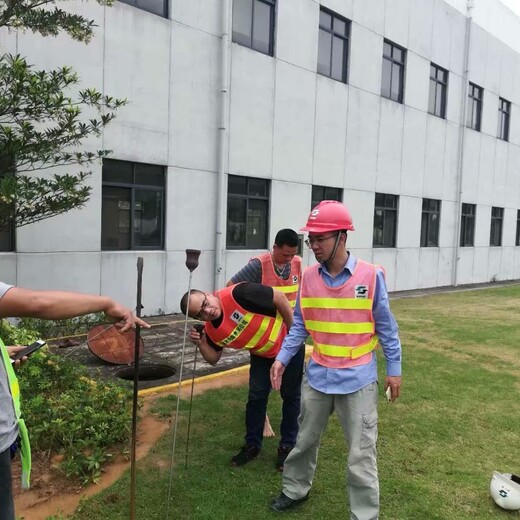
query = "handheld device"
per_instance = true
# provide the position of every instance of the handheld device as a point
(388, 393)
(199, 328)
(33, 347)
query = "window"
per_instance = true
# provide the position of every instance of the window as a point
(132, 213)
(320, 193)
(431, 213)
(6, 228)
(158, 7)
(517, 241)
(247, 213)
(385, 220)
(438, 87)
(392, 81)
(467, 225)
(474, 113)
(504, 110)
(7, 238)
(333, 45)
(497, 219)
(253, 24)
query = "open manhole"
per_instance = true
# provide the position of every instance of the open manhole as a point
(147, 372)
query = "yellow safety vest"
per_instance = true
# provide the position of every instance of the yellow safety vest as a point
(25, 446)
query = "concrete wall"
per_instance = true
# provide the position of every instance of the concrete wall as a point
(289, 125)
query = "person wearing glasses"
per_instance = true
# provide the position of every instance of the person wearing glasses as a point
(343, 305)
(47, 305)
(280, 269)
(254, 317)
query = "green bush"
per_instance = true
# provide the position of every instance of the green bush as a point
(12, 335)
(59, 328)
(70, 414)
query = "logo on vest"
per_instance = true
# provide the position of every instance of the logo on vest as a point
(237, 316)
(295, 279)
(361, 291)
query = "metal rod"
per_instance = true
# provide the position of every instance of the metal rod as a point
(189, 413)
(136, 387)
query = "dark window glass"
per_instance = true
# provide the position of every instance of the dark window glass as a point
(467, 225)
(497, 219)
(438, 89)
(247, 213)
(504, 112)
(253, 24)
(133, 206)
(7, 232)
(385, 220)
(474, 112)
(517, 241)
(430, 220)
(334, 32)
(392, 81)
(158, 7)
(320, 193)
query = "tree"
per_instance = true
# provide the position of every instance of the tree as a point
(40, 126)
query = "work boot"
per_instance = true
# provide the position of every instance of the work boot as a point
(283, 451)
(246, 454)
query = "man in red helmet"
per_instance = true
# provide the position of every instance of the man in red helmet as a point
(343, 306)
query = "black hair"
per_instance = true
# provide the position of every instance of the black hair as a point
(287, 237)
(184, 300)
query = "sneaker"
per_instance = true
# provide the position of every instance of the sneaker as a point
(246, 454)
(283, 451)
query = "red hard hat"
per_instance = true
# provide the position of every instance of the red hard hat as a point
(329, 215)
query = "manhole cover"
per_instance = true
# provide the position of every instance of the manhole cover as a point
(147, 372)
(108, 344)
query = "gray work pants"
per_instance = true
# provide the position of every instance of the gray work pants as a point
(357, 413)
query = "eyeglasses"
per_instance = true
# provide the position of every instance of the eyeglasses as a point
(318, 241)
(203, 308)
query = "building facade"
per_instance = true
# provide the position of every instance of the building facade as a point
(243, 114)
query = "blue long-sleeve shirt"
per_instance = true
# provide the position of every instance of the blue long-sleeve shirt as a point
(348, 380)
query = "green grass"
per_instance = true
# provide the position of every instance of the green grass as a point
(457, 420)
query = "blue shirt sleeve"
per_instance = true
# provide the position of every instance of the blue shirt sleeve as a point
(297, 335)
(386, 327)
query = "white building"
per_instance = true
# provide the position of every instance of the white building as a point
(244, 131)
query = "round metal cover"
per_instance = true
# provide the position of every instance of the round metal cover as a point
(108, 344)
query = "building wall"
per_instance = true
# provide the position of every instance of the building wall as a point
(290, 125)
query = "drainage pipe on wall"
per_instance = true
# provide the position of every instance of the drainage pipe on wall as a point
(462, 142)
(222, 146)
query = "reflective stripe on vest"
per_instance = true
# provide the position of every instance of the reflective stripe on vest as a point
(339, 319)
(241, 329)
(25, 446)
(269, 277)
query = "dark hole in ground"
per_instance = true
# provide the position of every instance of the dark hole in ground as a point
(147, 372)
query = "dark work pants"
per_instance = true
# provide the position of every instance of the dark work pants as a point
(6, 489)
(259, 389)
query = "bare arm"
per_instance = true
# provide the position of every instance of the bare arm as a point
(283, 307)
(57, 305)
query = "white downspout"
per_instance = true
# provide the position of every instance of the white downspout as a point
(222, 147)
(462, 142)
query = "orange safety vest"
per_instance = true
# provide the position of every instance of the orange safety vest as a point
(339, 319)
(269, 277)
(241, 329)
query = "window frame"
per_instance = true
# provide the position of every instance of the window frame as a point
(133, 187)
(134, 3)
(496, 227)
(443, 84)
(504, 119)
(517, 240)
(474, 99)
(428, 213)
(272, 4)
(346, 39)
(386, 210)
(467, 236)
(402, 67)
(316, 200)
(247, 197)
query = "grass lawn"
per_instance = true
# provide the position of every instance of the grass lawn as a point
(457, 420)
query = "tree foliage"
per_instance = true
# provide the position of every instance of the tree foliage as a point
(42, 122)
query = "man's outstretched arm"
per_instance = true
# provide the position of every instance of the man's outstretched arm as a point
(57, 305)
